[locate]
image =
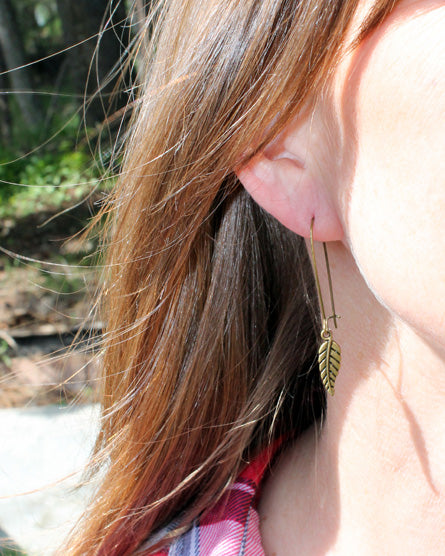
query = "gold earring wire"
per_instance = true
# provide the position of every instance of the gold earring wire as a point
(329, 353)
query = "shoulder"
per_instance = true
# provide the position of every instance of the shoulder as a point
(231, 527)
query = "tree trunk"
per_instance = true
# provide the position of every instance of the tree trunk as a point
(90, 69)
(5, 114)
(139, 15)
(143, 29)
(11, 44)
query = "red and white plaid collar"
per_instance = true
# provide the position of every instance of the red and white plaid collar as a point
(232, 527)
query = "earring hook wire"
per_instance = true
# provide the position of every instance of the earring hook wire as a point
(334, 316)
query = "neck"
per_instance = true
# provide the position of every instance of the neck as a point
(381, 453)
(390, 395)
(373, 479)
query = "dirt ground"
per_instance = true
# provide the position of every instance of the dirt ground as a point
(46, 293)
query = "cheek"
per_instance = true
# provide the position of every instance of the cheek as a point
(396, 202)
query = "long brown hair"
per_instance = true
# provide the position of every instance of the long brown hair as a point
(210, 341)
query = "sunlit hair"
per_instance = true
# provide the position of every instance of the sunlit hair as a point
(210, 338)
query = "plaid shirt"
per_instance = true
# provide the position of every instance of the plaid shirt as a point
(231, 528)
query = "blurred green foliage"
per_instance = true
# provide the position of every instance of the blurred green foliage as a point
(41, 23)
(6, 360)
(38, 174)
(44, 181)
(11, 552)
(51, 167)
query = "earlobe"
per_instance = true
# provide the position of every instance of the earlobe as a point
(285, 188)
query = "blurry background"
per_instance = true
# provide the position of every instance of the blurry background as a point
(63, 94)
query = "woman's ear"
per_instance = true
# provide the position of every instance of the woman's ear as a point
(281, 180)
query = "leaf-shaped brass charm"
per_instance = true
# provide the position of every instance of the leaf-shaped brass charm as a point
(329, 359)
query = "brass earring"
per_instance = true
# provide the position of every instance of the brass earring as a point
(329, 353)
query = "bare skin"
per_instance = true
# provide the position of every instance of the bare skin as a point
(373, 480)
(370, 165)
